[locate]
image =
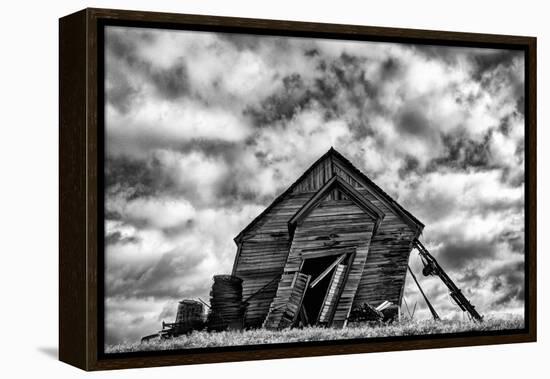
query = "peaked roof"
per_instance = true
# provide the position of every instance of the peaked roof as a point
(333, 153)
(336, 182)
(379, 190)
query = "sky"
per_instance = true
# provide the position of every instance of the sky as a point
(204, 130)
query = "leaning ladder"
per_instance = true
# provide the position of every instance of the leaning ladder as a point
(431, 267)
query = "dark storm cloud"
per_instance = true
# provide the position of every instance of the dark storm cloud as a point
(509, 279)
(467, 99)
(232, 192)
(495, 74)
(410, 166)
(161, 278)
(346, 76)
(112, 215)
(117, 238)
(435, 205)
(170, 83)
(137, 320)
(340, 77)
(391, 69)
(511, 272)
(461, 152)
(147, 178)
(233, 187)
(241, 41)
(282, 106)
(515, 239)
(500, 206)
(457, 253)
(273, 45)
(349, 72)
(520, 105)
(226, 150)
(439, 53)
(484, 68)
(183, 228)
(505, 124)
(514, 179)
(311, 53)
(135, 178)
(412, 121)
(486, 62)
(124, 46)
(339, 87)
(514, 294)
(120, 93)
(471, 277)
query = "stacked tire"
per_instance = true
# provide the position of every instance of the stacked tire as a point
(226, 304)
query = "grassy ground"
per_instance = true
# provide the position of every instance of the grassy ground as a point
(200, 339)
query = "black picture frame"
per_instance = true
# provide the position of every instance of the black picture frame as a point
(81, 288)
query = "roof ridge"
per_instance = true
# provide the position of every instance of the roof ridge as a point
(336, 181)
(283, 194)
(378, 188)
(338, 155)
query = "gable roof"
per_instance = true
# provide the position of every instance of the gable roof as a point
(391, 202)
(328, 155)
(336, 182)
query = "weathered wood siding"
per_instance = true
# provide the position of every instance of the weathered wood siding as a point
(262, 256)
(288, 300)
(265, 247)
(351, 230)
(316, 178)
(386, 267)
(331, 298)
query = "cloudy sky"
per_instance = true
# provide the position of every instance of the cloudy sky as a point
(203, 130)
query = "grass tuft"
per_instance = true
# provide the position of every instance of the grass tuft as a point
(204, 339)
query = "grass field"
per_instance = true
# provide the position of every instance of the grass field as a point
(201, 339)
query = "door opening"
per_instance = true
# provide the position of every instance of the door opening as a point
(316, 293)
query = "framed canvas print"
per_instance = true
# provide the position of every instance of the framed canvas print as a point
(237, 189)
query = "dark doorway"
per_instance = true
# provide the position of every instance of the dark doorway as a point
(314, 297)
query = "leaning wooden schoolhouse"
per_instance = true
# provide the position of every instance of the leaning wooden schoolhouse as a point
(332, 241)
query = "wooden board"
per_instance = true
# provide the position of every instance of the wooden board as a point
(287, 304)
(331, 297)
(265, 248)
(262, 256)
(333, 227)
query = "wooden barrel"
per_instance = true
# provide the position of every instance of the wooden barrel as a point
(190, 316)
(226, 303)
